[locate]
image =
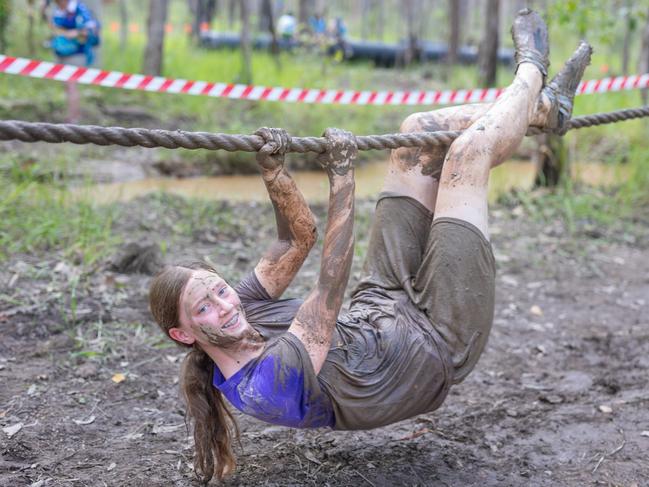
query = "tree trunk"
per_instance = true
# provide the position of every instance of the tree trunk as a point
(366, 6)
(454, 33)
(265, 12)
(488, 51)
(643, 65)
(628, 27)
(380, 19)
(306, 10)
(412, 46)
(267, 22)
(5, 14)
(232, 12)
(422, 14)
(31, 13)
(211, 10)
(246, 69)
(153, 53)
(123, 28)
(551, 160)
(203, 12)
(196, 8)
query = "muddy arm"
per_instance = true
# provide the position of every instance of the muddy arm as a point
(296, 230)
(316, 319)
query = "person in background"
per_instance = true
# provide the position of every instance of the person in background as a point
(76, 35)
(318, 26)
(338, 29)
(286, 26)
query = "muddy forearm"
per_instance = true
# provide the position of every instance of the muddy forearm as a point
(296, 230)
(319, 312)
(295, 222)
(338, 248)
(296, 234)
(315, 321)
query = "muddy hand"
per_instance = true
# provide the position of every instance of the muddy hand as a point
(341, 153)
(276, 143)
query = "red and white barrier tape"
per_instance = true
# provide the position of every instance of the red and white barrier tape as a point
(115, 79)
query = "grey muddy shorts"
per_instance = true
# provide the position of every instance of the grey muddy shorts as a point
(446, 267)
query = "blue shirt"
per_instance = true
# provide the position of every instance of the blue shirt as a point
(75, 16)
(279, 387)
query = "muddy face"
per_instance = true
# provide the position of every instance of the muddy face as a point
(211, 313)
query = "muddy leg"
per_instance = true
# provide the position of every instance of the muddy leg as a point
(486, 143)
(462, 191)
(415, 171)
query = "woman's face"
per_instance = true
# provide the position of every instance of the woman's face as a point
(210, 312)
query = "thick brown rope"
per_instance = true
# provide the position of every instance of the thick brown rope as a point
(92, 134)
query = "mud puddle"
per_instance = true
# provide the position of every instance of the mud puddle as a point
(313, 184)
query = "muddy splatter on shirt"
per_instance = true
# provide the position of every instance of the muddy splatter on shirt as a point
(279, 387)
(385, 364)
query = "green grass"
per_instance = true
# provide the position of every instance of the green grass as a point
(37, 215)
(590, 209)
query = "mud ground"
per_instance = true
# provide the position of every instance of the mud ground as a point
(560, 396)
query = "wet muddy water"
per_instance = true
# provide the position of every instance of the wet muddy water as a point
(313, 184)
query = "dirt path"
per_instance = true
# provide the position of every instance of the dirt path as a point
(560, 396)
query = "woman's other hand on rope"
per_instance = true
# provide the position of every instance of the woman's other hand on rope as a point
(316, 319)
(341, 154)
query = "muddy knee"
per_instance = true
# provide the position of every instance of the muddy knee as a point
(427, 160)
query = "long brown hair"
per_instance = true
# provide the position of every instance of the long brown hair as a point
(214, 426)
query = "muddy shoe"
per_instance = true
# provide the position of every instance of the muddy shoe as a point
(561, 90)
(530, 35)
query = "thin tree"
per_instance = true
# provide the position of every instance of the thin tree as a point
(246, 67)
(31, 14)
(422, 13)
(305, 11)
(153, 52)
(123, 27)
(267, 22)
(203, 12)
(550, 159)
(629, 24)
(232, 12)
(5, 13)
(412, 46)
(454, 32)
(366, 6)
(196, 10)
(380, 19)
(643, 65)
(488, 51)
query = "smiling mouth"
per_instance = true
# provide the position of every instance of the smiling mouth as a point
(231, 322)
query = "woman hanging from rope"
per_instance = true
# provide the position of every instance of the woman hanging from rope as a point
(419, 318)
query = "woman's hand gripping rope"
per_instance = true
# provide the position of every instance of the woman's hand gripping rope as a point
(271, 155)
(296, 229)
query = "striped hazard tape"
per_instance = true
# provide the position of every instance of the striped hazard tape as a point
(115, 79)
